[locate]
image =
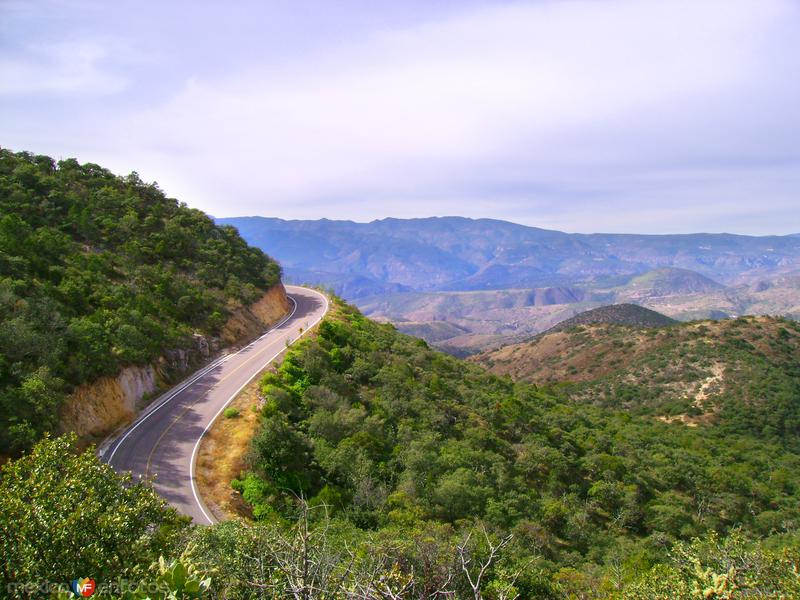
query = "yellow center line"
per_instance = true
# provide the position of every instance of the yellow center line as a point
(181, 415)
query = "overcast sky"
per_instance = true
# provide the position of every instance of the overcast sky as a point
(593, 115)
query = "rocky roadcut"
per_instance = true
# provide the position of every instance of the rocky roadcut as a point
(163, 444)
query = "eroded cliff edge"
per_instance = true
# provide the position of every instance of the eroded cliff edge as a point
(96, 409)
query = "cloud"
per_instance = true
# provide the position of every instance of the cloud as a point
(74, 67)
(542, 112)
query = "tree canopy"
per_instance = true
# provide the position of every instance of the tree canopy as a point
(390, 434)
(98, 271)
(63, 515)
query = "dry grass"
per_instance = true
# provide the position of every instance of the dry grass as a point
(222, 453)
(224, 448)
(567, 356)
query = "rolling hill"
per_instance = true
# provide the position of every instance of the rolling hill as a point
(499, 317)
(615, 314)
(668, 281)
(740, 373)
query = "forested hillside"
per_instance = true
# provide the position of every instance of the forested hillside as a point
(383, 469)
(391, 435)
(139, 548)
(98, 271)
(737, 375)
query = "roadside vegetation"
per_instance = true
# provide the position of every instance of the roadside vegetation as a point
(383, 469)
(64, 515)
(392, 437)
(97, 272)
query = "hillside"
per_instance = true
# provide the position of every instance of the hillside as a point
(486, 320)
(382, 466)
(476, 320)
(98, 272)
(615, 314)
(741, 374)
(394, 438)
(669, 282)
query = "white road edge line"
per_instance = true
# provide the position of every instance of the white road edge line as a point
(175, 391)
(229, 400)
(169, 396)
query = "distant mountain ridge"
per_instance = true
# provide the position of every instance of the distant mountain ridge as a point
(493, 282)
(455, 253)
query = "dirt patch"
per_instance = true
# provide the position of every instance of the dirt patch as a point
(710, 385)
(685, 419)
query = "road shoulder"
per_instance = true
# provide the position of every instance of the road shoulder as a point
(222, 453)
(223, 450)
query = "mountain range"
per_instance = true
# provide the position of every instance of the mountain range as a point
(470, 284)
(454, 253)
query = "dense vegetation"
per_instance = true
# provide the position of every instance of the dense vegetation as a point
(98, 271)
(391, 436)
(64, 515)
(386, 470)
(381, 469)
(740, 375)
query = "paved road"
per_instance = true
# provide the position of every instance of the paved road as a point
(163, 441)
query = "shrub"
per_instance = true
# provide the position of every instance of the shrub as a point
(231, 412)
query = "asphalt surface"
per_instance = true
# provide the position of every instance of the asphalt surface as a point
(162, 443)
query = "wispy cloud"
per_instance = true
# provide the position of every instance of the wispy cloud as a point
(74, 67)
(542, 112)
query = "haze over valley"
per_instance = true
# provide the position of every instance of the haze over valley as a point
(466, 285)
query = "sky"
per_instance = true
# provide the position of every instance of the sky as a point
(638, 116)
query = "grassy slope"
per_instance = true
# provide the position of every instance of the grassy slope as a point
(741, 373)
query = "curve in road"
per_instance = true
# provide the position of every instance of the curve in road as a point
(163, 442)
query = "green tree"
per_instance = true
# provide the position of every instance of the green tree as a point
(98, 272)
(64, 514)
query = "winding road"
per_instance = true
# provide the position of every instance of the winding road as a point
(164, 440)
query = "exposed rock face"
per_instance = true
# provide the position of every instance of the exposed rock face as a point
(248, 322)
(96, 409)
